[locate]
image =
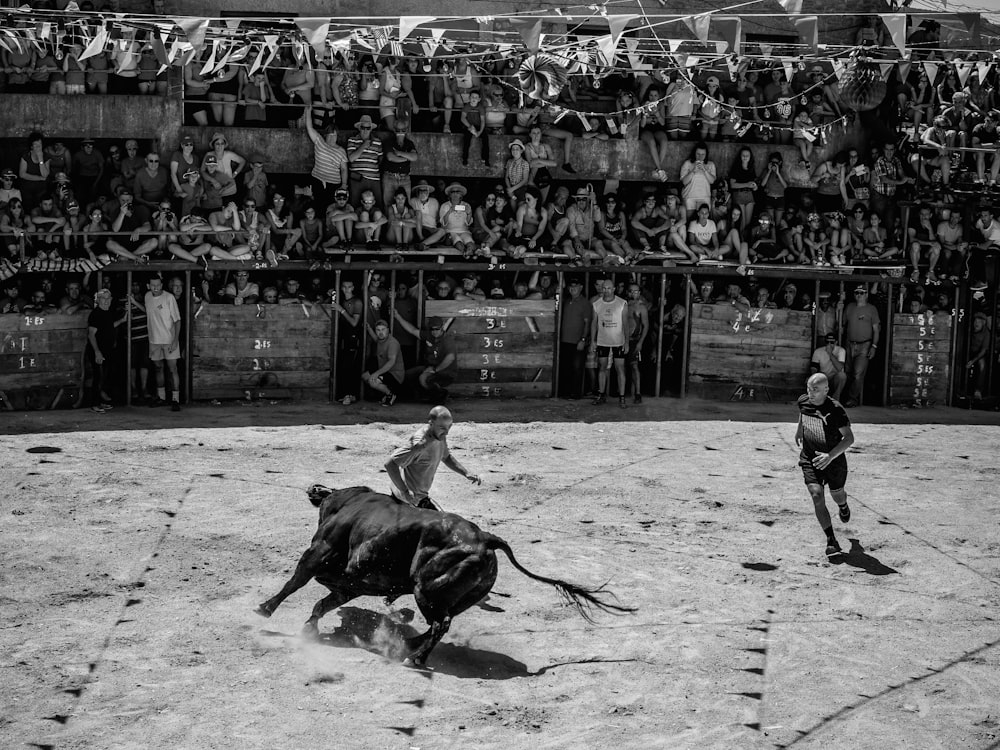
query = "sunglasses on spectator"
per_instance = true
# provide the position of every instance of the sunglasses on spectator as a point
(152, 161)
(860, 294)
(364, 127)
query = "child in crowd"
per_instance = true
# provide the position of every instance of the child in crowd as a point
(474, 126)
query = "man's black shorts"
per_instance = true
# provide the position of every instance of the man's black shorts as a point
(833, 476)
(615, 352)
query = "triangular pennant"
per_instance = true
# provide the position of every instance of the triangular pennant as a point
(340, 43)
(436, 34)
(408, 23)
(766, 50)
(838, 68)
(731, 30)
(175, 49)
(680, 60)
(983, 70)
(692, 61)
(96, 45)
(271, 44)
(791, 6)
(636, 63)
(224, 60)
(315, 31)
(194, 29)
(631, 45)
(160, 51)
(209, 65)
(674, 44)
(886, 70)
(606, 47)
(808, 28)
(896, 25)
(617, 24)
(429, 48)
(931, 69)
(963, 69)
(699, 25)
(530, 30)
(258, 60)
(720, 47)
(904, 69)
(788, 64)
(233, 23)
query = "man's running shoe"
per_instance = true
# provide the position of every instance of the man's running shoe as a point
(833, 548)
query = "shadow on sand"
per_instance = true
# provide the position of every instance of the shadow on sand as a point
(856, 557)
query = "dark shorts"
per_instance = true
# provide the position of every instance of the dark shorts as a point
(634, 353)
(833, 476)
(615, 352)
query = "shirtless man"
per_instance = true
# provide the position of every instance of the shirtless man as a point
(638, 329)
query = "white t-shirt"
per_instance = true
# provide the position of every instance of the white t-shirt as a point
(161, 312)
(703, 233)
(609, 322)
(824, 361)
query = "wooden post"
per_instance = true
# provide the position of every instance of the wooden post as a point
(365, 283)
(659, 335)
(128, 337)
(887, 343)
(554, 391)
(687, 334)
(335, 341)
(188, 325)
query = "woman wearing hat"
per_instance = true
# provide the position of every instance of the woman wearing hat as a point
(516, 172)
(541, 159)
(711, 109)
(227, 162)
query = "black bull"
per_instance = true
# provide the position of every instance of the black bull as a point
(370, 544)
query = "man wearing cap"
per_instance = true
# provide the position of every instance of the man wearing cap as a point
(454, 219)
(862, 329)
(329, 160)
(131, 221)
(364, 153)
(426, 206)
(216, 183)
(398, 155)
(581, 245)
(831, 360)
(440, 359)
(87, 171)
(12, 302)
(7, 190)
(101, 325)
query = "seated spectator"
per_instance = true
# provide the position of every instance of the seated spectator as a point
(934, 154)
(312, 234)
(802, 133)
(12, 301)
(242, 291)
(7, 190)
(38, 304)
(613, 231)
(256, 184)
(368, 227)
(191, 243)
(531, 221)
(703, 293)
(48, 222)
(703, 236)
(582, 244)
(954, 248)
(132, 221)
(494, 223)
(876, 244)
(192, 192)
(840, 239)
(985, 137)
(285, 236)
(651, 226)
(270, 295)
(75, 300)
(762, 245)
(339, 223)
(556, 209)
(763, 300)
(291, 293)
(816, 241)
(923, 240)
(454, 218)
(255, 233)
(165, 223)
(731, 241)
(470, 288)
(230, 242)
(426, 208)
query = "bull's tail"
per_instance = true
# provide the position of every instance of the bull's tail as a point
(584, 599)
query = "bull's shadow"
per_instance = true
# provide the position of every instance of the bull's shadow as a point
(379, 634)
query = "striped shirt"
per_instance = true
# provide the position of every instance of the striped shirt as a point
(367, 162)
(327, 161)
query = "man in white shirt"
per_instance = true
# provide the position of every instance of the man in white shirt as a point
(164, 321)
(831, 360)
(608, 330)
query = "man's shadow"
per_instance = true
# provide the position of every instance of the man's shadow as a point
(856, 557)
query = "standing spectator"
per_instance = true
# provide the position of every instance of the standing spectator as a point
(223, 93)
(132, 162)
(887, 177)
(101, 336)
(196, 88)
(164, 321)
(573, 341)
(181, 161)
(862, 327)
(473, 119)
(329, 162)
(831, 360)
(364, 153)
(34, 170)
(743, 185)
(348, 361)
(516, 172)
(229, 163)
(218, 185)
(697, 176)
(405, 305)
(638, 329)
(88, 172)
(297, 85)
(826, 317)
(398, 155)
(979, 349)
(541, 159)
(608, 339)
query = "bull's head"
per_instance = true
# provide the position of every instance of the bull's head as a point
(317, 493)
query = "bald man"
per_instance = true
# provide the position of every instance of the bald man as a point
(411, 469)
(824, 434)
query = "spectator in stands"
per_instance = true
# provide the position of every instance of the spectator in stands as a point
(816, 241)
(698, 175)
(773, 185)
(74, 300)
(541, 159)
(164, 222)
(368, 227)
(242, 291)
(761, 245)
(877, 245)
(743, 185)
(348, 362)
(831, 360)
(651, 226)
(132, 162)
(398, 155)
(255, 233)
(228, 162)
(530, 224)
(582, 244)
(951, 237)
(190, 243)
(297, 84)
(454, 219)
(862, 327)
(517, 172)
(922, 234)
(284, 234)
(364, 153)
(130, 220)
(339, 223)
(223, 93)
(34, 170)
(887, 177)
(230, 240)
(101, 337)
(839, 250)
(385, 372)
(613, 230)
(703, 236)
(16, 227)
(637, 314)
(710, 111)
(217, 185)
(979, 347)
(473, 118)
(426, 208)
(401, 221)
(256, 184)
(985, 137)
(934, 153)
(653, 130)
(12, 302)
(608, 338)
(558, 224)
(152, 183)
(87, 171)
(37, 303)
(258, 97)
(7, 190)
(48, 222)
(494, 222)
(182, 161)
(196, 88)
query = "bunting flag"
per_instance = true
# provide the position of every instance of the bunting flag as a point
(794, 7)
(692, 61)
(838, 68)
(904, 70)
(886, 70)
(963, 69)
(617, 24)
(315, 31)
(380, 37)
(437, 35)
(210, 63)
(194, 29)
(408, 23)
(258, 60)
(767, 49)
(674, 44)
(720, 47)
(896, 25)
(160, 51)
(983, 70)
(931, 69)
(233, 23)
(731, 29)
(96, 45)
(429, 48)
(808, 28)
(530, 30)
(699, 25)
(271, 44)
(788, 65)
(606, 47)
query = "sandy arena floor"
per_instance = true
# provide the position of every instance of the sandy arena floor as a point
(135, 545)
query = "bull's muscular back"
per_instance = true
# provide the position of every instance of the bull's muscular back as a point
(381, 546)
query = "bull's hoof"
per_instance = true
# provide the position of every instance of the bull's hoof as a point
(310, 631)
(263, 611)
(412, 663)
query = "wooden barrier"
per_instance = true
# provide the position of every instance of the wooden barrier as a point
(757, 354)
(268, 351)
(504, 347)
(42, 360)
(920, 370)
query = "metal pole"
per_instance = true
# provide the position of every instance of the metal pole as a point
(188, 320)
(556, 350)
(659, 335)
(365, 283)
(335, 341)
(887, 344)
(955, 317)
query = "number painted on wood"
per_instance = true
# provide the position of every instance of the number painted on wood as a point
(34, 320)
(261, 344)
(25, 363)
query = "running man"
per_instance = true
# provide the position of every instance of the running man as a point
(411, 469)
(824, 433)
